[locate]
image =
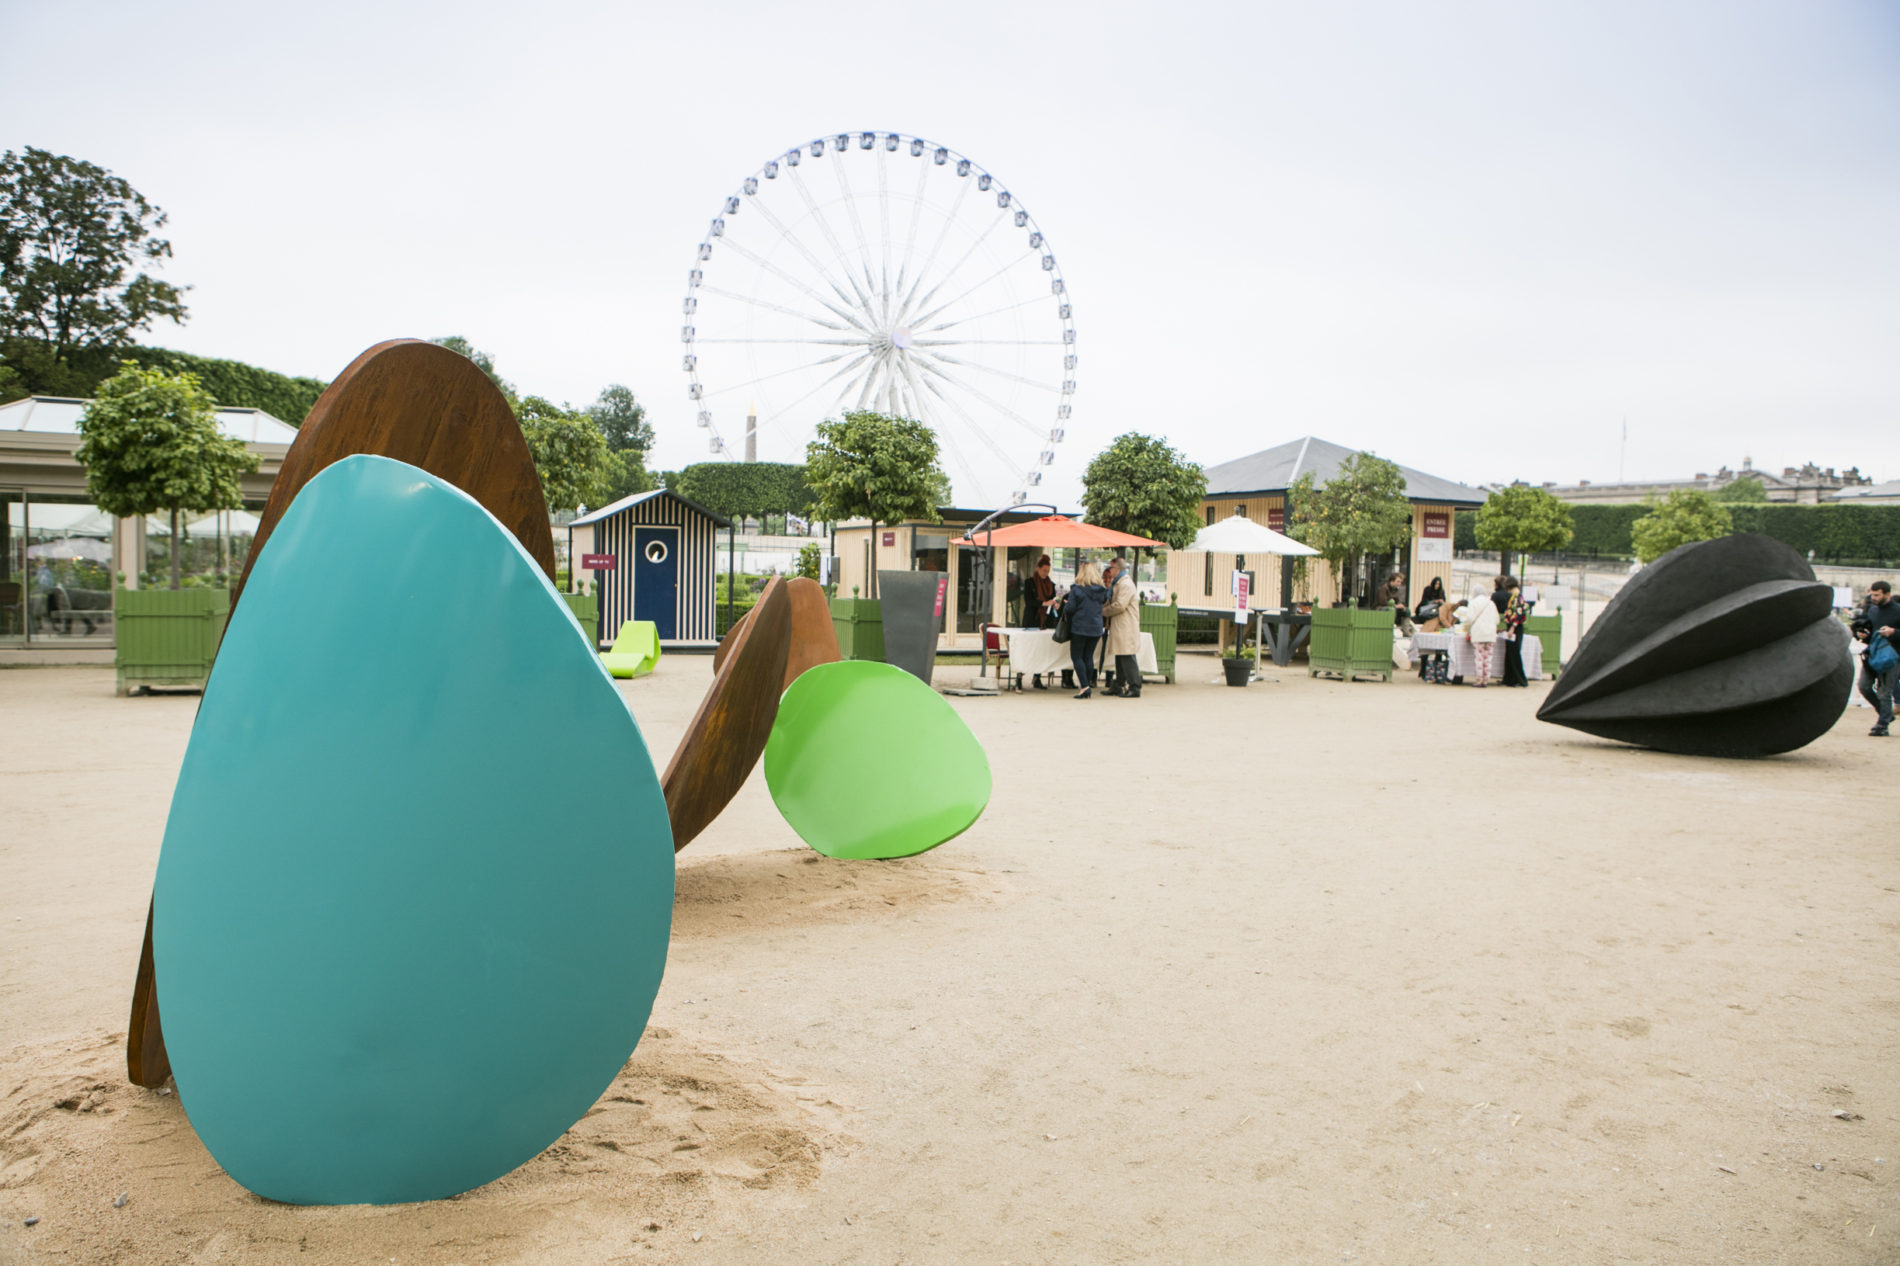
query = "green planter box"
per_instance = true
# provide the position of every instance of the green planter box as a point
(1549, 630)
(1163, 624)
(1349, 643)
(859, 623)
(586, 609)
(167, 637)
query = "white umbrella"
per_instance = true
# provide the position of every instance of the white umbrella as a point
(1242, 535)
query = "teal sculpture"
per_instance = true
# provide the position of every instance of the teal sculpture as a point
(866, 761)
(388, 971)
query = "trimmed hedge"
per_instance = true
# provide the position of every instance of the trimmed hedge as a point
(1836, 533)
(230, 382)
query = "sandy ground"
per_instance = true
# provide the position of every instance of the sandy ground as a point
(1304, 973)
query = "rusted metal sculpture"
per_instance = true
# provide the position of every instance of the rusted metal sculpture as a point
(728, 733)
(814, 637)
(421, 404)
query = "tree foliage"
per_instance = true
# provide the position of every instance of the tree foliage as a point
(1683, 516)
(70, 233)
(626, 474)
(570, 454)
(741, 489)
(873, 466)
(484, 362)
(29, 367)
(622, 419)
(1140, 484)
(1748, 490)
(1361, 510)
(151, 443)
(1523, 520)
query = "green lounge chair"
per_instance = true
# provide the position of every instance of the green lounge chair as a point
(635, 650)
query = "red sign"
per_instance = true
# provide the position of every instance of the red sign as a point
(1242, 583)
(1437, 524)
(599, 562)
(943, 587)
(890, 540)
(1276, 518)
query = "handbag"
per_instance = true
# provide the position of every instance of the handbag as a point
(1063, 632)
(1881, 656)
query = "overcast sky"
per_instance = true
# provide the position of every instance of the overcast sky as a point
(1473, 237)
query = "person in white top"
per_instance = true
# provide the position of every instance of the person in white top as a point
(1478, 622)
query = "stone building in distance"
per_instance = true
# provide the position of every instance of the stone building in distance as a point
(1803, 485)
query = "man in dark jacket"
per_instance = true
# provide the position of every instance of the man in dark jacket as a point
(1882, 616)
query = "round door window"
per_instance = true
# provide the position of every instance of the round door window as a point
(656, 551)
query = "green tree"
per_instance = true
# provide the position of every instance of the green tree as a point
(876, 467)
(1139, 484)
(1683, 516)
(1523, 520)
(626, 474)
(1748, 490)
(1361, 510)
(151, 442)
(809, 561)
(70, 232)
(622, 419)
(483, 361)
(570, 454)
(739, 489)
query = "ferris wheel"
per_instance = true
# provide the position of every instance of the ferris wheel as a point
(873, 270)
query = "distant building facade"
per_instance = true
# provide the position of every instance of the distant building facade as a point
(1803, 485)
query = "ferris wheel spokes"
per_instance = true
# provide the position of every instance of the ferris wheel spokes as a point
(932, 324)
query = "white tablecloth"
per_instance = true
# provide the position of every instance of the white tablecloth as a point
(1463, 664)
(1036, 651)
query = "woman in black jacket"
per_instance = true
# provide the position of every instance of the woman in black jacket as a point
(1084, 609)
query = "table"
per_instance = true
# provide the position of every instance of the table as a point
(1035, 652)
(1463, 664)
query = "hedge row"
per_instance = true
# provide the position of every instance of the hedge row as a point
(35, 372)
(1836, 533)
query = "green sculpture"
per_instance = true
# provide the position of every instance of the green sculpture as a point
(866, 761)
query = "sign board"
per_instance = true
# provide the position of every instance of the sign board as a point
(1843, 597)
(1242, 583)
(599, 562)
(890, 540)
(943, 587)
(1433, 550)
(1529, 594)
(1276, 518)
(1435, 525)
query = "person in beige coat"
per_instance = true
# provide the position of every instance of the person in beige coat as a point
(1478, 621)
(1123, 610)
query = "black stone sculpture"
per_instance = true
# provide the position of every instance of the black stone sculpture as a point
(912, 604)
(1719, 648)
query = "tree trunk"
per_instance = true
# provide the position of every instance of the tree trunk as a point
(871, 586)
(174, 549)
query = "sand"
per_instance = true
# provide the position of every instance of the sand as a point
(1304, 973)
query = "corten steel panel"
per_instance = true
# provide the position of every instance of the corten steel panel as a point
(728, 733)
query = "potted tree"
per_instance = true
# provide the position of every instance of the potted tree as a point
(1362, 510)
(150, 444)
(1525, 520)
(876, 467)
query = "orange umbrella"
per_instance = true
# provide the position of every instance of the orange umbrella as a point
(1058, 531)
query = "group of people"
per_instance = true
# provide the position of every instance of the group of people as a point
(1101, 604)
(1483, 621)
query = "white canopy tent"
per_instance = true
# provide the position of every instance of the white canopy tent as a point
(1239, 534)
